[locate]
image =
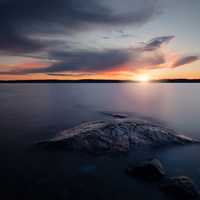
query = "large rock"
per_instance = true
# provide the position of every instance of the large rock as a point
(181, 187)
(151, 170)
(117, 135)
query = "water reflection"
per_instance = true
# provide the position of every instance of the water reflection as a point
(67, 104)
(31, 112)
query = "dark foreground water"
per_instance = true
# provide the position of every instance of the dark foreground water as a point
(33, 112)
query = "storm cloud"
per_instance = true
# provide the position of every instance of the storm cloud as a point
(22, 22)
(107, 59)
(85, 36)
(86, 61)
(148, 55)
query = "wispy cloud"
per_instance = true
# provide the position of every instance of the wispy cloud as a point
(157, 42)
(185, 60)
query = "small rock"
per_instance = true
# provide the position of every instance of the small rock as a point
(116, 115)
(181, 187)
(120, 115)
(151, 170)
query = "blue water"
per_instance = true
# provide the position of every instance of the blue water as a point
(33, 112)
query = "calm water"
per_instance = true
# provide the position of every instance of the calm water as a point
(33, 112)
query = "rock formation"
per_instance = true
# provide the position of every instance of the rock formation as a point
(150, 170)
(116, 135)
(181, 187)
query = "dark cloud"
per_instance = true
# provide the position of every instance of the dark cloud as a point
(157, 42)
(13, 42)
(86, 61)
(71, 74)
(147, 56)
(185, 60)
(23, 21)
(94, 61)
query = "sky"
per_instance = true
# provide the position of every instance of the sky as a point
(99, 39)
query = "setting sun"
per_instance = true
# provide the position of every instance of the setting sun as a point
(143, 78)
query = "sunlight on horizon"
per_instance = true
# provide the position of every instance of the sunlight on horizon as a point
(143, 78)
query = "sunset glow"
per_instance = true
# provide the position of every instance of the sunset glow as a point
(108, 40)
(143, 78)
(95, 89)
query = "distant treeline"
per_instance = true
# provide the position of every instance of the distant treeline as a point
(101, 81)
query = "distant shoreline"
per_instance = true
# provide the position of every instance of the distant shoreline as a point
(101, 81)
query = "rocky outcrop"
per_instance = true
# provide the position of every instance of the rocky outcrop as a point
(151, 170)
(116, 135)
(181, 187)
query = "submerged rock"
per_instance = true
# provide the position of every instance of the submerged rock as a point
(150, 170)
(116, 115)
(116, 135)
(181, 187)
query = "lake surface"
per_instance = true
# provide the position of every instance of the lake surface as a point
(33, 112)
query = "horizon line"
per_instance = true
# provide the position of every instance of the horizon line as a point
(183, 80)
